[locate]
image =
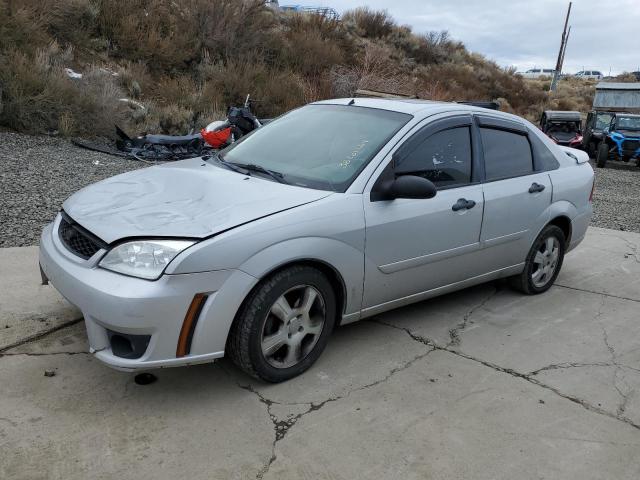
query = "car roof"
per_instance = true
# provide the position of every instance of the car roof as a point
(416, 107)
(562, 115)
(626, 115)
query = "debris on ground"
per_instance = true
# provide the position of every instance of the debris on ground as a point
(145, 378)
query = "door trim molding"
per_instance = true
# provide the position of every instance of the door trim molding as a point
(434, 292)
(510, 237)
(430, 258)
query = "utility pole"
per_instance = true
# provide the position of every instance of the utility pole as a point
(563, 46)
(564, 50)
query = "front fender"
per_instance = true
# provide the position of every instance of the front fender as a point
(346, 260)
(212, 330)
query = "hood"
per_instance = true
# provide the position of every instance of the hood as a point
(628, 133)
(190, 198)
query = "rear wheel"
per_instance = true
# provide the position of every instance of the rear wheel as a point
(602, 155)
(284, 325)
(543, 262)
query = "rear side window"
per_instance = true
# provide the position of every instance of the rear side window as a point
(506, 154)
(544, 159)
(444, 158)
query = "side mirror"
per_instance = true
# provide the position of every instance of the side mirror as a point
(389, 187)
(412, 186)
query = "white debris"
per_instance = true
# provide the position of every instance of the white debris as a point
(109, 71)
(73, 74)
(132, 103)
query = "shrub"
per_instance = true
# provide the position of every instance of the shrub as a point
(184, 62)
(370, 23)
(38, 96)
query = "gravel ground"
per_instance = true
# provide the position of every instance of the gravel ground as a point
(616, 201)
(39, 173)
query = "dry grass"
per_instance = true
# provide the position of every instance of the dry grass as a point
(186, 61)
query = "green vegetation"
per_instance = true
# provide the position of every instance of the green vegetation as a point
(186, 61)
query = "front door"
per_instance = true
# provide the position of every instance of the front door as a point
(415, 245)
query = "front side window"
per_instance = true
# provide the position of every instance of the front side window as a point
(603, 120)
(629, 123)
(318, 146)
(444, 158)
(506, 154)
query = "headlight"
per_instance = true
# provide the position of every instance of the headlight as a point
(144, 258)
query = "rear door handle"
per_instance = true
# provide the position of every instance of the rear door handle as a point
(536, 187)
(463, 204)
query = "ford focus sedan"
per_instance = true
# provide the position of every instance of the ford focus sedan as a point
(334, 212)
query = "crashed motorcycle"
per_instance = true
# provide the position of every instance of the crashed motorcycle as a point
(154, 147)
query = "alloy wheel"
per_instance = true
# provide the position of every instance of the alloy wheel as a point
(293, 326)
(545, 262)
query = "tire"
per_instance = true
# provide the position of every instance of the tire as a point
(275, 336)
(527, 282)
(602, 155)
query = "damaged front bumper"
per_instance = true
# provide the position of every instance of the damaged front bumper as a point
(134, 324)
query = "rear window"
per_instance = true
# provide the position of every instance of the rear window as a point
(506, 154)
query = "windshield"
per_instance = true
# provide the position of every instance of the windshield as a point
(628, 123)
(318, 146)
(603, 120)
(560, 126)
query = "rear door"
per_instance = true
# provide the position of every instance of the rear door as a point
(517, 192)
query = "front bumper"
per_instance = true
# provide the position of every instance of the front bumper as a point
(111, 302)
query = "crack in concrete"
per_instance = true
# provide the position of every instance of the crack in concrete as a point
(454, 333)
(41, 354)
(282, 427)
(617, 373)
(634, 248)
(597, 293)
(514, 373)
(566, 365)
(38, 336)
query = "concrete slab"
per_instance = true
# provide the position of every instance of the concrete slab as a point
(483, 383)
(472, 422)
(27, 308)
(92, 422)
(608, 261)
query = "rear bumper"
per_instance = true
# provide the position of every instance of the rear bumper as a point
(111, 302)
(579, 225)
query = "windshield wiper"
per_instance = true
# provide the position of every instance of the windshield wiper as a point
(252, 167)
(231, 166)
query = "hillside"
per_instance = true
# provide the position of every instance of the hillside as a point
(182, 63)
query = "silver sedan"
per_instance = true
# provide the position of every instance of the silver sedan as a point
(334, 212)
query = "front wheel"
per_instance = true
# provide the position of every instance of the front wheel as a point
(602, 155)
(284, 324)
(543, 262)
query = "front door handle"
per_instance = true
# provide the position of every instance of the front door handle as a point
(463, 204)
(536, 187)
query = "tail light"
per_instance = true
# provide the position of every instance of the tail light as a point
(593, 188)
